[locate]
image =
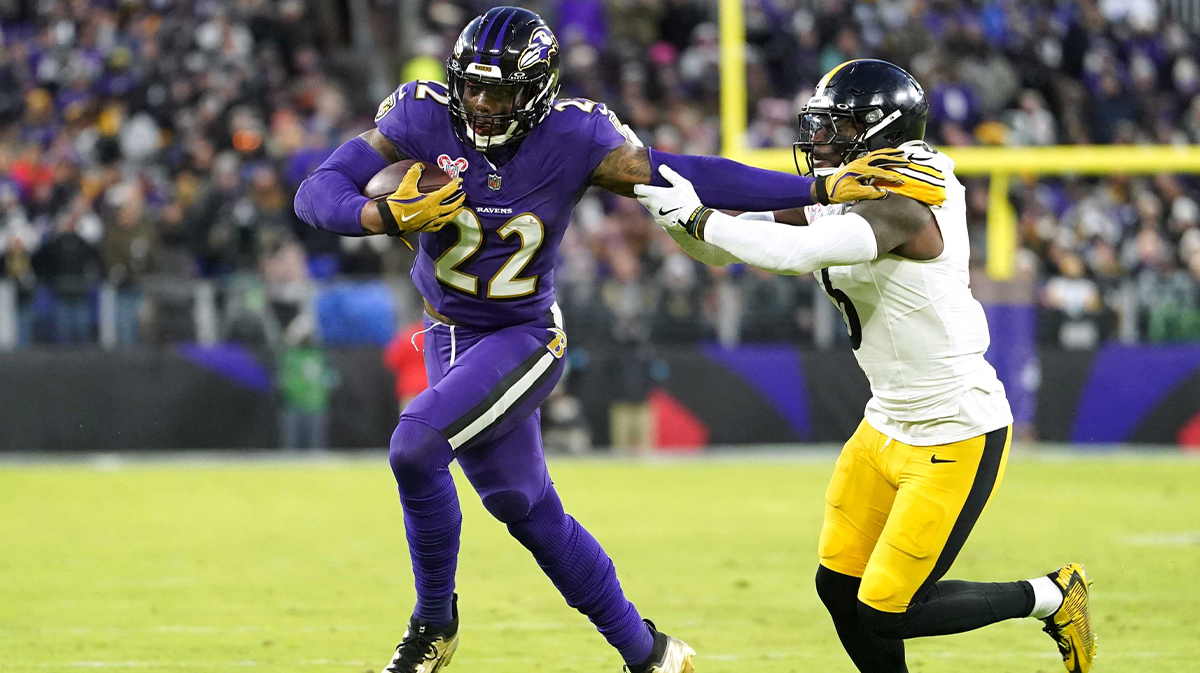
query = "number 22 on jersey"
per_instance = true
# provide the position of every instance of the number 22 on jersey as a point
(507, 283)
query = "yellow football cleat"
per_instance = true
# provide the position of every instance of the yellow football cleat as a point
(1071, 626)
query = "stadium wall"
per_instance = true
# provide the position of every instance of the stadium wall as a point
(224, 397)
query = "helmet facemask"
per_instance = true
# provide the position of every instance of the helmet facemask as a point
(836, 137)
(489, 131)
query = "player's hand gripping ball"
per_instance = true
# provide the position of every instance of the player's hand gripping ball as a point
(864, 178)
(422, 202)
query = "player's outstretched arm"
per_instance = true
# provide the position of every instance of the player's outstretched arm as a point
(832, 240)
(331, 197)
(727, 184)
(724, 183)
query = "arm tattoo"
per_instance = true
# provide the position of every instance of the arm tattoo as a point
(381, 144)
(896, 219)
(624, 167)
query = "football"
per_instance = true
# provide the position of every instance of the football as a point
(385, 182)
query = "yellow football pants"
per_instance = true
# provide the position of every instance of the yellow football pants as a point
(920, 502)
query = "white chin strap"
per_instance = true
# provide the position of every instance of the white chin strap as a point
(826, 172)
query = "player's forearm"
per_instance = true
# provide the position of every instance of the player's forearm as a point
(833, 240)
(705, 253)
(726, 184)
(331, 198)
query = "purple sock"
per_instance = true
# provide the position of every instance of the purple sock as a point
(420, 459)
(584, 574)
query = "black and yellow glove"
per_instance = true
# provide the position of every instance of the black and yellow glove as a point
(882, 172)
(407, 210)
(922, 182)
(855, 181)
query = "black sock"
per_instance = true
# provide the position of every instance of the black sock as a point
(952, 607)
(869, 652)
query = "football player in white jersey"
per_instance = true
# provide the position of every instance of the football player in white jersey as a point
(913, 479)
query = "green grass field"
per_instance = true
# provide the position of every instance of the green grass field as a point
(302, 567)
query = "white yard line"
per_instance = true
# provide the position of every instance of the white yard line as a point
(1182, 539)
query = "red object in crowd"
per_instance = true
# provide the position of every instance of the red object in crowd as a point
(407, 363)
(29, 175)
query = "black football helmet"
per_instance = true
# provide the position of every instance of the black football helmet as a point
(858, 107)
(513, 49)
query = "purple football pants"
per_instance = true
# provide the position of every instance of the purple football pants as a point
(482, 409)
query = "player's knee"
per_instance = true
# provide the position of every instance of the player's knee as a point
(837, 591)
(543, 522)
(417, 449)
(889, 625)
(508, 506)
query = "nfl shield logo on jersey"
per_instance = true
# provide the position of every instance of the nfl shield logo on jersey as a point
(493, 182)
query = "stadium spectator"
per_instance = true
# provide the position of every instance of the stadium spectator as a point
(305, 383)
(16, 267)
(71, 267)
(128, 253)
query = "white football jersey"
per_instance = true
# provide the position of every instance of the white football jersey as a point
(918, 333)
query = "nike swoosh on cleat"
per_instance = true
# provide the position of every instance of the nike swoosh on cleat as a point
(1073, 667)
(668, 212)
(934, 459)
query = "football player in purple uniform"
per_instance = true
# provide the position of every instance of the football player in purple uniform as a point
(520, 158)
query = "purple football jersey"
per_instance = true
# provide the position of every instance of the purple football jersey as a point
(494, 267)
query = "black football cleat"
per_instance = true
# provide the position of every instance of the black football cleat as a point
(424, 649)
(670, 655)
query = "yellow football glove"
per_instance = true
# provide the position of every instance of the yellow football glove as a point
(409, 211)
(879, 173)
(855, 180)
(922, 183)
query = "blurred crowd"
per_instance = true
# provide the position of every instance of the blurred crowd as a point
(165, 139)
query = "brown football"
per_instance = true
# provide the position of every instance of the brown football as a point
(386, 181)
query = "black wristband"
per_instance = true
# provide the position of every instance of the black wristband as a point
(694, 223)
(820, 188)
(390, 226)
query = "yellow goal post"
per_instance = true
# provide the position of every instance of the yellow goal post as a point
(999, 163)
